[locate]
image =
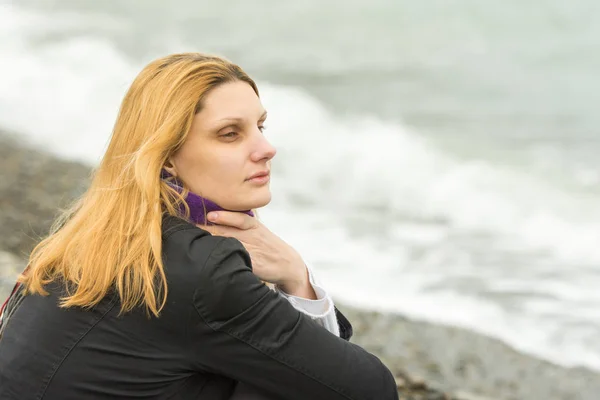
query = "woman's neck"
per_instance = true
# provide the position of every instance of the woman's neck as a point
(199, 206)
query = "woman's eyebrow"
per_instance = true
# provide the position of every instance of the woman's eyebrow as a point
(240, 119)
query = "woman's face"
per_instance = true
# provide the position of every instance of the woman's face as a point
(225, 147)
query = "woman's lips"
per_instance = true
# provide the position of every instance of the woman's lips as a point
(261, 179)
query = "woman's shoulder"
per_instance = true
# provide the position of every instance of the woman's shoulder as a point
(187, 245)
(210, 268)
(172, 224)
(179, 235)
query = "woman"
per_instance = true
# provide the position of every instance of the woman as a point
(132, 296)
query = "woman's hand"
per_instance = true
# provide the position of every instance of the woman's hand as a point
(273, 260)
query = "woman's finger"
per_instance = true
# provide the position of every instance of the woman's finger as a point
(233, 219)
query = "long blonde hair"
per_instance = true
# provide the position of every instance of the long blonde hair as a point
(111, 236)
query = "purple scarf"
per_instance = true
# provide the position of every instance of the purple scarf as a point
(197, 204)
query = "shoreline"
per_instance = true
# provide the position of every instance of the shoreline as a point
(456, 359)
(422, 355)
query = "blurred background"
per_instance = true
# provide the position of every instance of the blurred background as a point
(436, 158)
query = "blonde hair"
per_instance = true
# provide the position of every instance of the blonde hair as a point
(111, 236)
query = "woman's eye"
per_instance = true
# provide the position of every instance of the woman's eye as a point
(262, 128)
(229, 135)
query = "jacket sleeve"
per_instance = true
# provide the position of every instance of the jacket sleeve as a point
(247, 332)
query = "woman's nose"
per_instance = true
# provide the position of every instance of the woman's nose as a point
(263, 150)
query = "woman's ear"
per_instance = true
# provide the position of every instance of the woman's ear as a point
(170, 168)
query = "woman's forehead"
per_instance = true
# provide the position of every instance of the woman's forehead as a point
(235, 99)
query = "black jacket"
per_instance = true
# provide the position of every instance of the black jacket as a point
(220, 325)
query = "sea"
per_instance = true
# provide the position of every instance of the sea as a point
(436, 158)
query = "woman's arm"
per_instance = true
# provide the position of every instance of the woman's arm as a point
(251, 334)
(321, 310)
(258, 240)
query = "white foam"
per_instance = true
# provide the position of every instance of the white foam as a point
(64, 96)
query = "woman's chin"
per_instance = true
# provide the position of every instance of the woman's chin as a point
(253, 201)
(260, 202)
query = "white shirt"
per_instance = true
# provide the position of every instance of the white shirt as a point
(320, 310)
